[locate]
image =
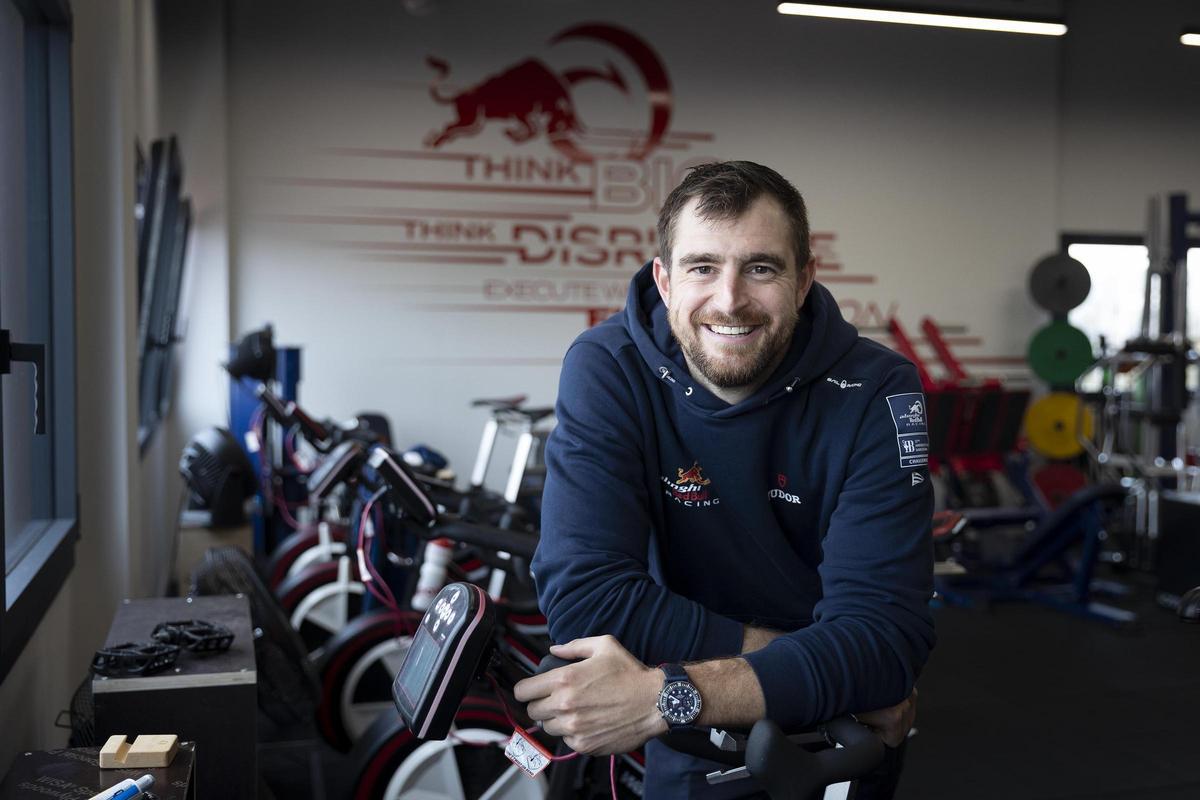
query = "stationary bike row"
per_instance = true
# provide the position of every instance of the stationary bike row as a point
(353, 619)
(464, 639)
(323, 593)
(388, 760)
(254, 362)
(517, 508)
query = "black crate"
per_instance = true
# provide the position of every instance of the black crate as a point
(211, 699)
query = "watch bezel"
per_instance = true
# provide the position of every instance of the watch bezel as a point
(697, 703)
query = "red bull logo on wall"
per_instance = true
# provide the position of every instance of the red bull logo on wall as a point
(527, 180)
(531, 99)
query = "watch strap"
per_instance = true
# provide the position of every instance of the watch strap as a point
(674, 673)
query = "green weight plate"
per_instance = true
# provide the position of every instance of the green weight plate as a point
(1059, 283)
(1059, 353)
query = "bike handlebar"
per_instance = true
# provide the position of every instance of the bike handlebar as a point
(789, 772)
(516, 543)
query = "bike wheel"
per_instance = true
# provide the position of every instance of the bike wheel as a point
(356, 671)
(320, 601)
(302, 548)
(468, 765)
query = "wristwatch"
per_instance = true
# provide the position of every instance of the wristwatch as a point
(679, 700)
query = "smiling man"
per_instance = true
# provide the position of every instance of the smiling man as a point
(736, 518)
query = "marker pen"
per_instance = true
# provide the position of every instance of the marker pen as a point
(125, 789)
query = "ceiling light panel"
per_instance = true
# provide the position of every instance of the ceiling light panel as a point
(923, 18)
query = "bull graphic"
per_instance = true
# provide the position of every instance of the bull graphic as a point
(529, 94)
(536, 99)
(916, 409)
(692, 476)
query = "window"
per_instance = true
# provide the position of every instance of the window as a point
(164, 220)
(1113, 308)
(37, 305)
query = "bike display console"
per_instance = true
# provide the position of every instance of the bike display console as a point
(448, 651)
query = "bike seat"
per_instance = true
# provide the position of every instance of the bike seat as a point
(531, 415)
(496, 403)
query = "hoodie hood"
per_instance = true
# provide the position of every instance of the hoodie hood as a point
(821, 338)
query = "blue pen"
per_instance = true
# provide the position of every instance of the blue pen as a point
(125, 789)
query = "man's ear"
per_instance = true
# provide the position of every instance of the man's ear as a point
(806, 281)
(662, 279)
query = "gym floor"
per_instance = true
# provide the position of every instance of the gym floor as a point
(1020, 701)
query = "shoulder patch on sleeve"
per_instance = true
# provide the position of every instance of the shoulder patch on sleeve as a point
(912, 431)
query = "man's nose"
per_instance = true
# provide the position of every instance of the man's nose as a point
(729, 295)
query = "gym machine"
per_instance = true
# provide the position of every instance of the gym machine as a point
(1139, 395)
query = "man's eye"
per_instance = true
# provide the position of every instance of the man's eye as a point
(762, 269)
(701, 269)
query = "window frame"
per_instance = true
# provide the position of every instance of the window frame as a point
(33, 581)
(164, 227)
(1067, 239)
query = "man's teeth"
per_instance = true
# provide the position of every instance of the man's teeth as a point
(727, 330)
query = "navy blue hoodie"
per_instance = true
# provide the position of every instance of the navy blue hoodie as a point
(670, 518)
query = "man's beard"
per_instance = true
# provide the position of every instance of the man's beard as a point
(737, 366)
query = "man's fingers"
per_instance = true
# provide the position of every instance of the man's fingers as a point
(577, 648)
(543, 685)
(535, 688)
(891, 738)
(539, 711)
(892, 724)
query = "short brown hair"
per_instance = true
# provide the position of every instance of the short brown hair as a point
(726, 189)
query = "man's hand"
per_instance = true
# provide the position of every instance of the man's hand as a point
(893, 724)
(604, 704)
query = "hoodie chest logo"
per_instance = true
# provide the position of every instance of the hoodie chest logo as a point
(842, 383)
(690, 488)
(781, 493)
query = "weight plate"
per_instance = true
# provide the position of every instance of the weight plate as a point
(1055, 423)
(1059, 283)
(1059, 353)
(1058, 481)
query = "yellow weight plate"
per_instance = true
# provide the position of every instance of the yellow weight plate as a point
(1055, 424)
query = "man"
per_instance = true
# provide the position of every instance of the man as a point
(737, 483)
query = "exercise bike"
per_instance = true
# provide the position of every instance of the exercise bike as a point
(428, 751)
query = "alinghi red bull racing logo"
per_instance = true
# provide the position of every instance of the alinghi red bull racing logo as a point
(690, 488)
(536, 100)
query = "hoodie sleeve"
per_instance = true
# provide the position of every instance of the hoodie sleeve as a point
(591, 565)
(872, 630)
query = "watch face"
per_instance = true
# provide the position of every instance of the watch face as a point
(679, 703)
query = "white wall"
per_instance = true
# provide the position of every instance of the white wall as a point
(931, 156)
(192, 76)
(1129, 113)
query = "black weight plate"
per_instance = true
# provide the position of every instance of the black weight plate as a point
(1059, 283)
